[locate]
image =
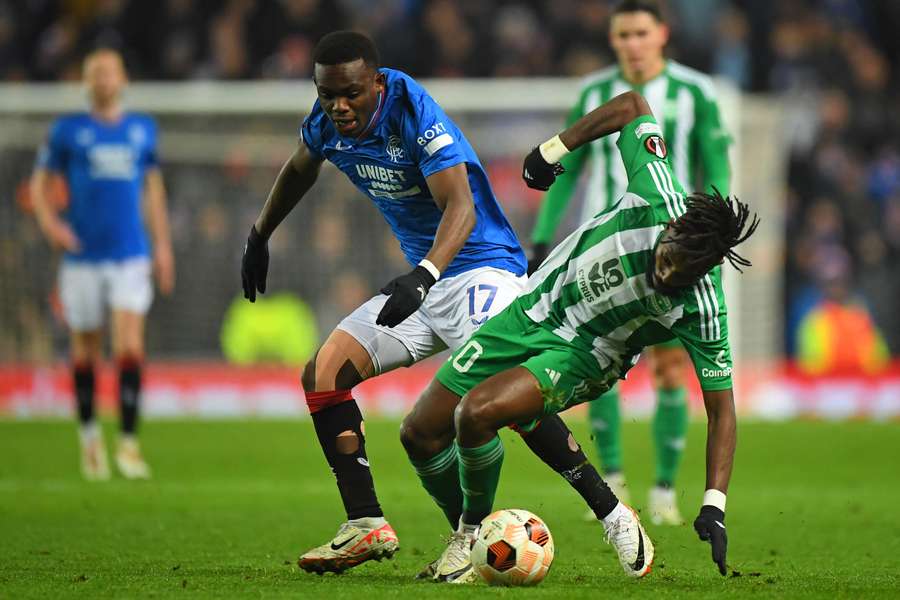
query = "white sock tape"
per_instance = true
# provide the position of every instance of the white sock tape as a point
(714, 498)
(553, 150)
(429, 266)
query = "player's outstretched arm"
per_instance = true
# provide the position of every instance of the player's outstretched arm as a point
(298, 174)
(721, 438)
(451, 192)
(542, 165)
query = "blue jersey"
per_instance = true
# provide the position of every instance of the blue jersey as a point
(409, 139)
(104, 166)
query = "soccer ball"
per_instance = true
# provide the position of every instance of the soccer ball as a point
(513, 547)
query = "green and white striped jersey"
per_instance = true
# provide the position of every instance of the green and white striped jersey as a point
(683, 102)
(592, 290)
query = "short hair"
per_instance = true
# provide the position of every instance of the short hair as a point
(101, 51)
(340, 47)
(710, 229)
(647, 6)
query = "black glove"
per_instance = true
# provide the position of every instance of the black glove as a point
(710, 526)
(539, 252)
(254, 265)
(538, 173)
(407, 293)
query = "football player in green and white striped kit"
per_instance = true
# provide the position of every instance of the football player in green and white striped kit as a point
(683, 100)
(643, 272)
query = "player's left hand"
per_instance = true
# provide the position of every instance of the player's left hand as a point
(407, 293)
(538, 173)
(164, 266)
(710, 526)
(254, 265)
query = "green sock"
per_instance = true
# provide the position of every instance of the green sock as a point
(440, 478)
(669, 430)
(479, 474)
(606, 430)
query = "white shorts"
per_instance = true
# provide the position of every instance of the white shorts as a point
(453, 309)
(86, 289)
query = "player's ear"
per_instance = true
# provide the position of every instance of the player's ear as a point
(380, 81)
(664, 32)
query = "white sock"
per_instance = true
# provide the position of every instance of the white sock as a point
(88, 432)
(373, 522)
(469, 530)
(128, 439)
(619, 511)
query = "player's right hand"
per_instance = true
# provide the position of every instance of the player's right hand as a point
(538, 173)
(60, 235)
(539, 253)
(710, 526)
(254, 265)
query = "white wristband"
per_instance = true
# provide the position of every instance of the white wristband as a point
(714, 498)
(429, 266)
(553, 150)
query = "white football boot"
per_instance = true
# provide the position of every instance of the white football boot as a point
(94, 465)
(618, 486)
(355, 542)
(663, 507)
(626, 534)
(455, 564)
(129, 460)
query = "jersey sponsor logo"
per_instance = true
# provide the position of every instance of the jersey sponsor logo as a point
(112, 161)
(722, 363)
(656, 146)
(393, 149)
(434, 138)
(386, 183)
(407, 193)
(712, 373)
(377, 173)
(720, 360)
(599, 279)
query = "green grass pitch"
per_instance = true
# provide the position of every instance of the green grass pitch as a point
(812, 512)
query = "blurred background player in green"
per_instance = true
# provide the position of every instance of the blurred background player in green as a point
(683, 101)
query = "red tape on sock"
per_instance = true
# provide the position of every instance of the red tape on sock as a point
(127, 362)
(317, 401)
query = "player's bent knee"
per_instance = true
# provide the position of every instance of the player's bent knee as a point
(476, 410)
(418, 442)
(347, 376)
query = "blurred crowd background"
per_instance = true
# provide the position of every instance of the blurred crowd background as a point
(831, 64)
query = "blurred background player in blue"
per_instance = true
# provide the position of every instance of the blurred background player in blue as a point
(107, 157)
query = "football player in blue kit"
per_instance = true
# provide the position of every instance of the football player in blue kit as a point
(108, 159)
(399, 148)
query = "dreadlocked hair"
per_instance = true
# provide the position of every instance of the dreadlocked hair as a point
(711, 227)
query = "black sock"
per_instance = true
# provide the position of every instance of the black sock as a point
(354, 479)
(84, 392)
(129, 395)
(554, 444)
